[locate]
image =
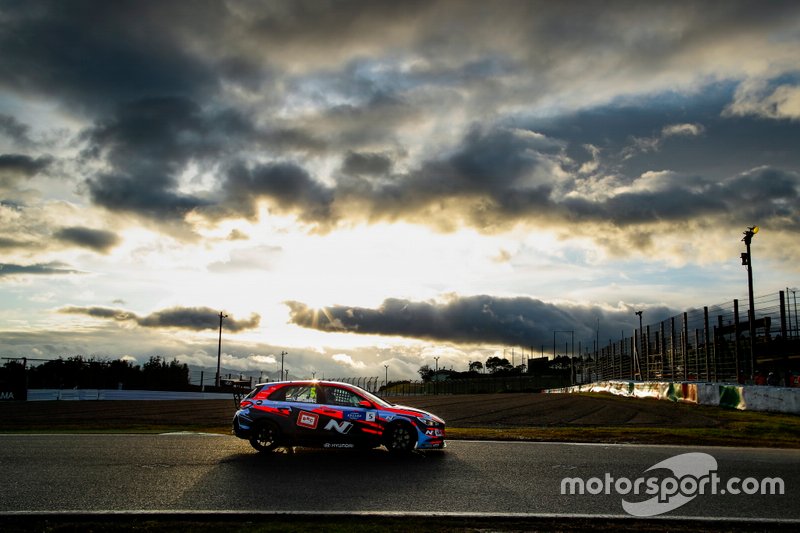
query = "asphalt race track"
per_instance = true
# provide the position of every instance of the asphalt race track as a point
(196, 472)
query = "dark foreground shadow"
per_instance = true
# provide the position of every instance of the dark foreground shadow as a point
(297, 456)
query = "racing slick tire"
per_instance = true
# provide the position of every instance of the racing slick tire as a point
(401, 438)
(265, 437)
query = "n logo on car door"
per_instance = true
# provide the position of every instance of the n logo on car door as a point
(342, 427)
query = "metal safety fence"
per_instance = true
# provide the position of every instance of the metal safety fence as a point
(715, 344)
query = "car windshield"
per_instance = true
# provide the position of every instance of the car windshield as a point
(374, 399)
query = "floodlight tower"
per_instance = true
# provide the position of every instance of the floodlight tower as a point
(747, 260)
(639, 348)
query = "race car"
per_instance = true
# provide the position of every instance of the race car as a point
(329, 414)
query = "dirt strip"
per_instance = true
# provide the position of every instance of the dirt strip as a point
(514, 410)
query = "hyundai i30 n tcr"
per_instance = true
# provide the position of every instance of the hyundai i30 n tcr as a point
(332, 415)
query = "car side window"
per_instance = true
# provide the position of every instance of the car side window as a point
(337, 396)
(252, 393)
(299, 393)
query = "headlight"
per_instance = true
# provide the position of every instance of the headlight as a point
(428, 422)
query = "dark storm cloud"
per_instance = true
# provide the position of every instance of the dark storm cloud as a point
(471, 320)
(22, 165)
(764, 194)
(189, 318)
(98, 240)
(10, 244)
(41, 269)
(490, 168)
(99, 312)
(496, 177)
(196, 318)
(727, 145)
(15, 130)
(148, 143)
(96, 54)
(366, 163)
(287, 184)
(262, 99)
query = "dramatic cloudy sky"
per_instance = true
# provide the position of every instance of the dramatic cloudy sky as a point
(368, 183)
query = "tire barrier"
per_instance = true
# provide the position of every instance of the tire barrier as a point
(742, 397)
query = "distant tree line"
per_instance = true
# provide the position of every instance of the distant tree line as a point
(91, 373)
(498, 367)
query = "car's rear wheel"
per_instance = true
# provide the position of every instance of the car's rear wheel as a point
(265, 437)
(400, 438)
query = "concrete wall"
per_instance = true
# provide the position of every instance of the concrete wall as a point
(743, 397)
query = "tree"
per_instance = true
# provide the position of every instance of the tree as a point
(495, 364)
(425, 372)
(160, 375)
(475, 366)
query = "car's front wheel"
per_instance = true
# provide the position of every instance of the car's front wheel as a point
(401, 438)
(265, 437)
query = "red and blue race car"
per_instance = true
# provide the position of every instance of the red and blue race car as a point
(332, 415)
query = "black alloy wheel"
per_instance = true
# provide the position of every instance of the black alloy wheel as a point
(265, 437)
(401, 438)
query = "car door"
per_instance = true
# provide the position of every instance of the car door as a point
(348, 417)
(303, 405)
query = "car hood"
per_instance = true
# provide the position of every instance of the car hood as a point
(412, 411)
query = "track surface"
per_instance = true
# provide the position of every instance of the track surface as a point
(214, 472)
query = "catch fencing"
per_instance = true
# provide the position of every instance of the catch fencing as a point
(487, 384)
(712, 344)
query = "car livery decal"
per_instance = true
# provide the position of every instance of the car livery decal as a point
(409, 413)
(342, 427)
(307, 420)
(282, 411)
(264, 393)
(327, 411)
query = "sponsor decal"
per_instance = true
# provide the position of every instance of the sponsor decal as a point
(338, 445)
(371, 416)
(354, 416)
(431, 432)
(341, 427)
(8, 395)
(307, 420)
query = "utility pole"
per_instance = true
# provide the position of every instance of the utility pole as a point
(282, 354)
(222, 316)
(386, 379)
